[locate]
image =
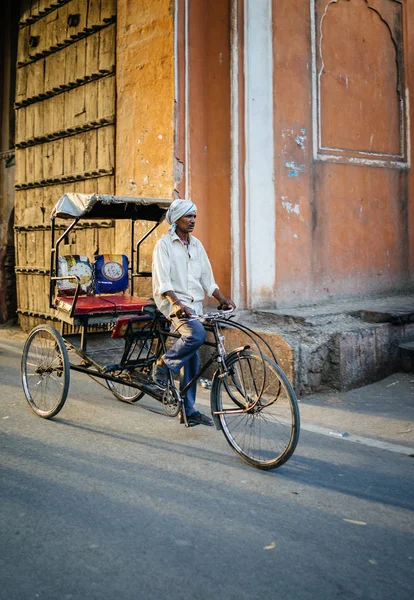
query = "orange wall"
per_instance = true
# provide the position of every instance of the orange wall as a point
(342, 229)
(150, 141)
(209, 113)
(144, 114)
(292, 121)
(145, 98)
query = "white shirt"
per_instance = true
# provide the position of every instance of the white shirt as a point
(186, 272)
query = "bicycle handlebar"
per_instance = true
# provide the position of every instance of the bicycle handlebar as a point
(219, 313)
(210, 316)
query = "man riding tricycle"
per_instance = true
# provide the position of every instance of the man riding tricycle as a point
(142, 346)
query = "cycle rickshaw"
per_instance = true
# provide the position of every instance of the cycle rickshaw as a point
(108, 333)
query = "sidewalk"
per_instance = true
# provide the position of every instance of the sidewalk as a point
(8, 331)
(381, 411)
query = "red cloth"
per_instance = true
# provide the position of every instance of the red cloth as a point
(89, 305)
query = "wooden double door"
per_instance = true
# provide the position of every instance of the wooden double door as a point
(65, 133)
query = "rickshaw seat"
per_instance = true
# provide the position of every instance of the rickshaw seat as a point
(95, 305)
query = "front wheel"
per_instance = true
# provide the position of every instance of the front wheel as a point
(257, 409)
(45, 371)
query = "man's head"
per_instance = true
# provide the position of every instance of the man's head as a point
(182, 214)
(186, 223)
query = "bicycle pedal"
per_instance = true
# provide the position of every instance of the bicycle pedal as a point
(114, 367)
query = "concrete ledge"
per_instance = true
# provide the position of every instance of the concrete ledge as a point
(340, 345)
(276, 341)
(407, 356)
(234, 338)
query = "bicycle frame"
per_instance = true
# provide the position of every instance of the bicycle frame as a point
(219, 357)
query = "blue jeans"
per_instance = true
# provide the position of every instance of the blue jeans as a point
(183, 356)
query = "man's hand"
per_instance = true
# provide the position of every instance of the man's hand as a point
(179, 309)
(183, 312)
(226, 303)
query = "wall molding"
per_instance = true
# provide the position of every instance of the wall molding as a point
(260, 218)
(356, 157)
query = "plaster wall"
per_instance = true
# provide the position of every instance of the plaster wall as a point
(324, 177)
(344, 217)
(145, 98)
(209, 129)
(144, 110)
(258, 169)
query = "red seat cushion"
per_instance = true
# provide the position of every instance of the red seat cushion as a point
(91, 305)
(137, 322)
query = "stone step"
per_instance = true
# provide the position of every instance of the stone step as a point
(399, 316)
(407, 356)
(342, 345)
(407, 346)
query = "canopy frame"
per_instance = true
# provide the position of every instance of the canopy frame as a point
(102, 206)
(99, 206)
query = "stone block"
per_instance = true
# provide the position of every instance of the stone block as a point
(406, 355)
(365, 354)
(234, 338)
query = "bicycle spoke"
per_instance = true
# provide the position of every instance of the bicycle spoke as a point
(45, 371)
(266, 432)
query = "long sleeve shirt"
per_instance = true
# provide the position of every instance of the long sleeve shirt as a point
(185, 271)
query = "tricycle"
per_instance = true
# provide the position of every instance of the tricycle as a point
(110, 334)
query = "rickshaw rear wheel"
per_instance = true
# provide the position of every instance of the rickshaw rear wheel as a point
(45, 371)
(125, 392)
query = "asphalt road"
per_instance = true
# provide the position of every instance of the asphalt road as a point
(110, 501)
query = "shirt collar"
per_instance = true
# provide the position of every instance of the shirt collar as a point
(174, 236)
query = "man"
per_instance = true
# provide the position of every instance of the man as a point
(181, 275)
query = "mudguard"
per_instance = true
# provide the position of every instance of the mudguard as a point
(213, 400)
(214, 390)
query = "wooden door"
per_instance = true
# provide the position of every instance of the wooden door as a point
(65, 133)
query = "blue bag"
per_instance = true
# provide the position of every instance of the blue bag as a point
(111, 273)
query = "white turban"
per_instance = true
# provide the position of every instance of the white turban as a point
(178, 209)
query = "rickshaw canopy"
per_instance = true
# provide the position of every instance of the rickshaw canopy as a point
(99, 206)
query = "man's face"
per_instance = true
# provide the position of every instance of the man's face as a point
(186, 223)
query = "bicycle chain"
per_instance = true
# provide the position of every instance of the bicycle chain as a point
(153, 410)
